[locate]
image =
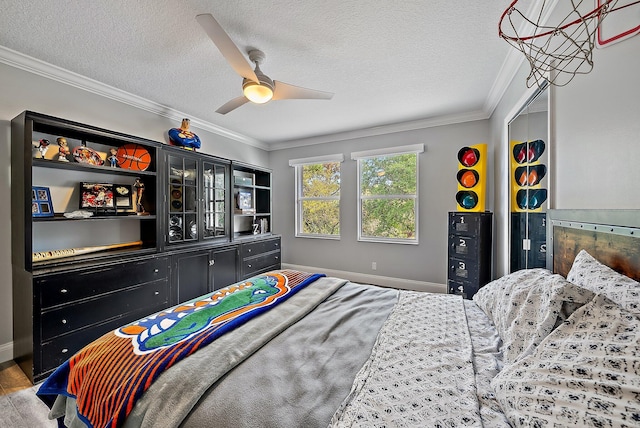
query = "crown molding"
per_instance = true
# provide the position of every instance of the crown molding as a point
(32, 65)
(382, 130)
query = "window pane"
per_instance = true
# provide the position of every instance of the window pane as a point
(389, 218)
(389, 175)
(321, 217)
(321, 180)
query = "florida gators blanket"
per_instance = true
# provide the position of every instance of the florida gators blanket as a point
(109, 375)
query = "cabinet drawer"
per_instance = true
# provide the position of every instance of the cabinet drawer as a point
(56, 351)
(258, 264)
(139, 299)
(463, 247)
(255, 248)
(68, 287)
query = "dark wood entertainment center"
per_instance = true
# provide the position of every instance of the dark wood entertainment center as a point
(191, 237)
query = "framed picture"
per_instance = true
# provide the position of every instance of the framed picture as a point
(98, 197)
(41, 205)
(123, 196)
(244, 200)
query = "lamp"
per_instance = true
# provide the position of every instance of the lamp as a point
(258, 92)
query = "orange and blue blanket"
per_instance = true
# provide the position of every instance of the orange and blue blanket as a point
(109, 375)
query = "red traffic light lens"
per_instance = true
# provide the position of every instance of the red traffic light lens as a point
(468, 156)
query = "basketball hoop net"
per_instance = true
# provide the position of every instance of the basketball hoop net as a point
(556, 53)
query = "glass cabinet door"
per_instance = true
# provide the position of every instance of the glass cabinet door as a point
(183, 199)
(214, 187)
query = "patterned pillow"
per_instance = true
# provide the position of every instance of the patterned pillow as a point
(589, 273)
(585, 373)
(525, 306)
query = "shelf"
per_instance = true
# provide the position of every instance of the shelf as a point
(45, 163)
(57, 218)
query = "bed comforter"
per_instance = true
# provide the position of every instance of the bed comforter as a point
(377, 355)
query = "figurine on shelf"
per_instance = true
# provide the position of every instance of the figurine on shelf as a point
(139, 185)
(63, 149)
(42, 146)
(113, 158)
(183, 137)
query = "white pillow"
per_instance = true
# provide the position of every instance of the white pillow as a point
(589, 273)
(585, 373)
(525, 306)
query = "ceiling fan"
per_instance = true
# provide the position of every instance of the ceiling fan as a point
(256, 86)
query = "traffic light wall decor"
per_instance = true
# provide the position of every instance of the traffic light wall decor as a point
(472, 178)
(527, 175)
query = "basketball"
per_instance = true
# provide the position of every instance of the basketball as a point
(133, 156)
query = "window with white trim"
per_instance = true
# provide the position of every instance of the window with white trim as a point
(388, 194)
(318, 196)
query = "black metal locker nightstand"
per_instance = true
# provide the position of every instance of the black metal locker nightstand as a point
(470, 249)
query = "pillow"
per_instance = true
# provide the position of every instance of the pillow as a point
(525, 306)
(589, 273)
(585, 373)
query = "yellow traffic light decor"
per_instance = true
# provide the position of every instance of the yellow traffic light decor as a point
(527, 173)
(472, 178)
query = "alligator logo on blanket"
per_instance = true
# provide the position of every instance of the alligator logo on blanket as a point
(185, 321)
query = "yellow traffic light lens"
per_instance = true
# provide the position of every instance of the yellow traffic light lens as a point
(467, 178)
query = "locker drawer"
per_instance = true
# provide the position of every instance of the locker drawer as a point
(139, 299)
(68, 287)
(462, 289)
(463, 247)
(464, 223)
(461, 269)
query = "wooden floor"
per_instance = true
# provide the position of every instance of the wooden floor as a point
(12, 378)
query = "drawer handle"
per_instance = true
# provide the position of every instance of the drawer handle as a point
(155, 293)
(248, 266)
(249, 250)
(63, 291)
(277, 257)
(155, 270)
(64, 350)
(64, 321)
(212, 262)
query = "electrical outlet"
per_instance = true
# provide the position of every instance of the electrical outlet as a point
(374, 265)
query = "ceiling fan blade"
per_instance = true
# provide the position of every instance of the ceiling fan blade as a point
(232, 105)
(229, 50)
(285, 91)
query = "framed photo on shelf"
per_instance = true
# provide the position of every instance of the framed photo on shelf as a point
(244, 201)
(123, 196)
(97, 197)
(41, 205)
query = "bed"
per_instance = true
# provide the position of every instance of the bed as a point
(533, 348)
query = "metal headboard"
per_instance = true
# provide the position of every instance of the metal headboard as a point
(611, 236)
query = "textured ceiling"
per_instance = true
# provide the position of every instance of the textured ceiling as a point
(387, 62)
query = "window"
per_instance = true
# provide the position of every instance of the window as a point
(388, 194)
(318, 196)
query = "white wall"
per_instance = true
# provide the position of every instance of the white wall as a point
(21, 91)
(597, 132)
(426, 262)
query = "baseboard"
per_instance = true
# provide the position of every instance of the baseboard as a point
(6, 352)
(384, 281)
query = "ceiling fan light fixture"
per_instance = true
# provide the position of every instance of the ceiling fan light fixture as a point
(258, 93)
